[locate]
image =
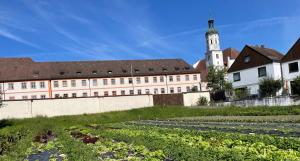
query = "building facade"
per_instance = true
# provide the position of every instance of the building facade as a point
(253, 64)
(290, 66)
(22, 78)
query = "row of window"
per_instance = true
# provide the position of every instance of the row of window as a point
(31, 97)
(262, 72)
(113, 81)
(123, 92)
(24, 85)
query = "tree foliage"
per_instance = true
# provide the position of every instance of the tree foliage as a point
(269, 86)
(296, 85)
(216, 79)
(202, 101)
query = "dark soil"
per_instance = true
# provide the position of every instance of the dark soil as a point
(87, 139)
(44, 137)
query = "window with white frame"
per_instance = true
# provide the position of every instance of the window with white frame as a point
(123, 92)
(114, 93)
(73, 83)
(24, 97)
(155, 91)
(187, 77)
(10, 86)
(96, 94)
(262, 72)
(172, 90)
(105, 93)
(65, 95)
(24, 85)
(188, 89)
(293, 67)
(147, 91)
(95, 82)
(121, 80)
(84, 94)
(146, 79)
(104, 81)
(178, 78)
(170, 78)
(154, 79)
(162, 90)
(131, 92)
(74, 95)
(179, 89)
(64, 83)
(42, 84)
(55, 84)
(130, 80)
(33, 97)
(195, 77)
(139, 91)
(33, 85)
(161, 78)
(138, 80)
(236, 77)
(56, 95)
(113, 81)
(43, 96)
(83, 83)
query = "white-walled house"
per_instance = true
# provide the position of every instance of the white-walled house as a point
(253, 64)
(290, 66)
(23, 78)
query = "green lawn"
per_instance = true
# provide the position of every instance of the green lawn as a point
(18, 137)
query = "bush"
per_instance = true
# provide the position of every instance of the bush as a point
(218, 96)
(268, 87)
(296, 86)
(202, 101)
(241, 93)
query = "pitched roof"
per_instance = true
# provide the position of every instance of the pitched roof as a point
(231, 53)
(257, 56)
(201, 67)
(293, 53)
(30, 70)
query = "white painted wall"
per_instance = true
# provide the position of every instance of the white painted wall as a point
(250, 79)
(287, 76)
(59, 107)
(191, 99)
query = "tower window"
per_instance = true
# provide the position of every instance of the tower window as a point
(211, 41)
(217, 56)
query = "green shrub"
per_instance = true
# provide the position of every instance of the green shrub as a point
(269, 86)
(241, 93)
(202, 101)
(296, 86)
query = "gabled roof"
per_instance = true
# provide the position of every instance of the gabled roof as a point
(293, 53)
(231, 53)
(201, 67)
(257, 56)
(16, 71)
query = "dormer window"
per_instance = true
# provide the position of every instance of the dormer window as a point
(62, 73)
(94, 72)
(124, 70)
(247, 59)
(136, 70)
(36, 74)
(151, 69)
(187, 68)
(164, 69)
(176, 68)
(78, 73)
(109, 72)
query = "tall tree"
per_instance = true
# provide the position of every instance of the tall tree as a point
(216, 79)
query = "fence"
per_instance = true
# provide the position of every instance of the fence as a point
(269, 101)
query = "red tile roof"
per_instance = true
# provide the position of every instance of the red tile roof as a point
(18, 70)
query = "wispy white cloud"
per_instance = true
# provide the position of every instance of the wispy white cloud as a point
(9, 35)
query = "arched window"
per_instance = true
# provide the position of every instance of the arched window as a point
(211, 41)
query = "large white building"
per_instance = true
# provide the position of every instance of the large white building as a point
(253, 64)
(22, 78)
(290, 66)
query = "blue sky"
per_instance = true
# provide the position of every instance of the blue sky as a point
(63, 30)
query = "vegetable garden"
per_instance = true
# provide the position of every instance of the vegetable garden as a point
(143, 135)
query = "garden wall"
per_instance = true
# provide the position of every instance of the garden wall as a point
(270, 101)
(191, 99)
(72, 106)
